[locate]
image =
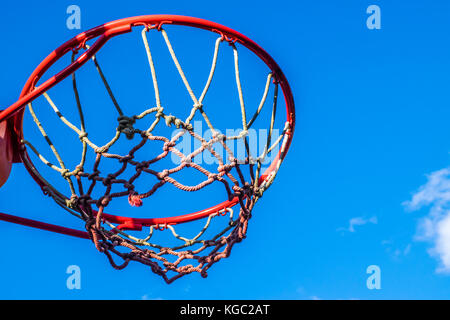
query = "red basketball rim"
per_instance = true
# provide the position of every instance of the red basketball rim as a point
(107, 31)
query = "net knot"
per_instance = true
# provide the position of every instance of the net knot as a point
(198, 106)
(72, 202)
(108, 180)
(258, 192)
(140, 166)
(173, 120)
(178, 123)
(93, 175)
(134, 199)
(163, 174)
(159, 113)
(83, 199)
(224, 168)
(125, 158)
(209, 243)
(104, 201)
(101, 150)
(247, 189)
(243, 133)
(128, 186)
(187, 160)
(261, 159)
(126, 126)
(168, 145)
(234, 162)
(212, 176)
(65, 173)
(82, 136)
(145, 134)
(169, 120)
(238, 190)
(78, 169)
(219, 136)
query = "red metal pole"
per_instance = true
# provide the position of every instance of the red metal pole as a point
(44, 226)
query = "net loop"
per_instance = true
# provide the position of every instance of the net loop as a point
(81, 46)
(224, 37)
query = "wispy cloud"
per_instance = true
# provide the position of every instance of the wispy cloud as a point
(396, 253)
(146, 297)
(435, 226)
(407, 250)
(358, 221)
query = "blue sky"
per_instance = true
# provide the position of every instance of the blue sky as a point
(365, 182)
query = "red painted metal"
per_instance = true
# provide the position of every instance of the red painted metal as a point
(103, 33)
(43, 226)
(6, 153)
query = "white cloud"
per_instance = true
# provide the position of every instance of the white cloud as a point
(443, 243)
(358, 221)
(435, 227)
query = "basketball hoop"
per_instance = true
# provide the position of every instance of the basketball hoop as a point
(111, 233)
